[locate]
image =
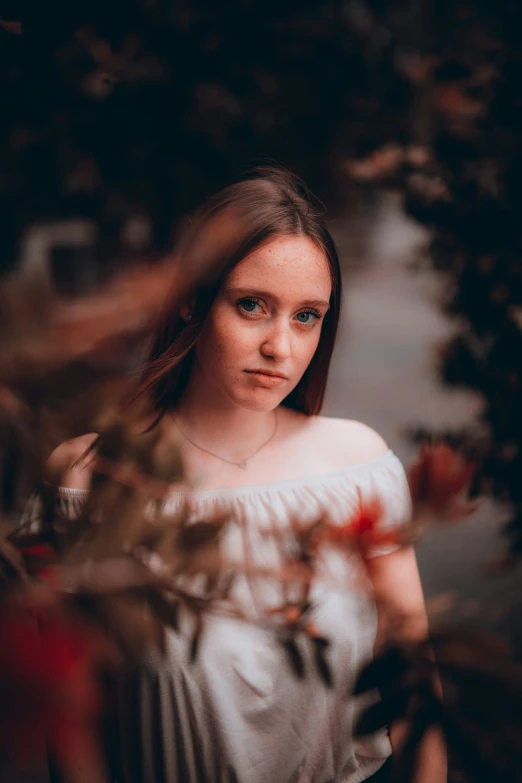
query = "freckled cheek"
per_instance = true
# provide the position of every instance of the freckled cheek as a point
(230, 345)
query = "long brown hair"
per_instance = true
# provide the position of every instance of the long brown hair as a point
(267, 202)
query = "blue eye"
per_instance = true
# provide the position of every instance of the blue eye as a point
(315, 316)
(248, 304)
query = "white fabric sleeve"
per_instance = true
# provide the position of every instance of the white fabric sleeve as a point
(390, 487)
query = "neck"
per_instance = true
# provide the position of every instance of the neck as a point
(215, 422)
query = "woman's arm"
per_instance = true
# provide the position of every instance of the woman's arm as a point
(401, 610)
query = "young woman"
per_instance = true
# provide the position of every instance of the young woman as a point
(239, 378)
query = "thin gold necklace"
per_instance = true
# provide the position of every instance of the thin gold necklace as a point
(244, 463)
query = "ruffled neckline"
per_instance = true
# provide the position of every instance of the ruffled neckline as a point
(254, 489)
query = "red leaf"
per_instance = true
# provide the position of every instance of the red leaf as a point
(439, 479)
(15, 28)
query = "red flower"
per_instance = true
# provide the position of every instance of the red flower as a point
(439, 481)
(48, 686)
(369, 516)
(39, 560)
(364, 529)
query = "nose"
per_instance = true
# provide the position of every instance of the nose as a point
(277, 340)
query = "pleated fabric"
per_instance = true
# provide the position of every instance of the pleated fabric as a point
(239, 712)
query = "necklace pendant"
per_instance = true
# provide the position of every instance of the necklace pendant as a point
(243, 465)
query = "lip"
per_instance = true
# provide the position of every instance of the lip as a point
(267, 379)
(268, 372)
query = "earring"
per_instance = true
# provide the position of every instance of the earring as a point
(186, 314)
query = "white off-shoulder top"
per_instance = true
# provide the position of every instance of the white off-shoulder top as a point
(239, 712)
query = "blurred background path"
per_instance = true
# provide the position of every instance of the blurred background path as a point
(384, 374)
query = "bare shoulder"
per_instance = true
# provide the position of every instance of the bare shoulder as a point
(69, 465)
(349, 441)
(335, 443)
(65, 466)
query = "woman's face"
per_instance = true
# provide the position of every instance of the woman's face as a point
(264, 326)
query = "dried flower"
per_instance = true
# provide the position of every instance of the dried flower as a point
(452, 99)
(439, 482)
(381, 163)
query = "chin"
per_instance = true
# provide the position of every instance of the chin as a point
(259, 403)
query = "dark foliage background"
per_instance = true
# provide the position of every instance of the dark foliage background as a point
(140, 108)
(470, 195)
(128, 113)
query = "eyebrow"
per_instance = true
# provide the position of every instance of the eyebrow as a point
(268, 295)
